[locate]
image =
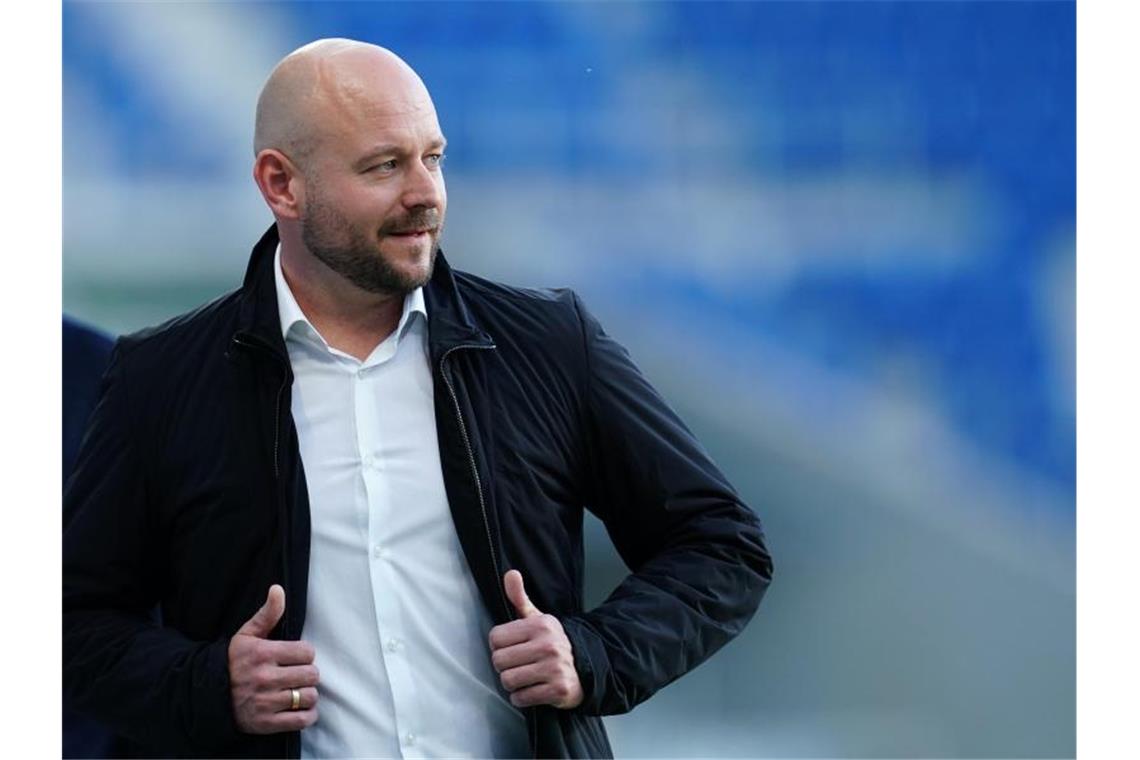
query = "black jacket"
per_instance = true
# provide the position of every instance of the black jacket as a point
(85, 355)
(189, 492)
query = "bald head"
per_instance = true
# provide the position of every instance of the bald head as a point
(329, 87)
(349, 157)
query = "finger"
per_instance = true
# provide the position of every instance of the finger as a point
(290, 652)
(539, 694)
(293, 676)
(290, 720)
(265, 619)
(516, 592)
(508, 634)
(283, 700)
(521, 654)
(528, 675)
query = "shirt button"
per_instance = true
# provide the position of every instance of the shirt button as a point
(393, 645)
(409, 738)
(368, 460)
(378, 551)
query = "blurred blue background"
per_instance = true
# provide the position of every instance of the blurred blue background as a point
(839, 237)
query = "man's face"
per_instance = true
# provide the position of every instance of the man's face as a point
(374, 197)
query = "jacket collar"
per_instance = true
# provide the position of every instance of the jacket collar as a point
(450, 322)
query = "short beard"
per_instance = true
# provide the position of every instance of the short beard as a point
(354, 256)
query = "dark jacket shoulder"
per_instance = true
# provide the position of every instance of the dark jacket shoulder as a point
(184, 335)
(545, 320)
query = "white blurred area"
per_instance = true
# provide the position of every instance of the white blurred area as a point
(924, 595)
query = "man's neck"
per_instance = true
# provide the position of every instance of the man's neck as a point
(349, 318)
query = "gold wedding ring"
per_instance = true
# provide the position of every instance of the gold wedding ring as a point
(296, 699)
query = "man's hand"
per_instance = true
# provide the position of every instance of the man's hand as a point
(263, 674)
(532, 655)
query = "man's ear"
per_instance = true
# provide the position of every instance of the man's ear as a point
(279, 181)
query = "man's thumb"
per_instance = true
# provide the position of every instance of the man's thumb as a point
(263, 621)
(513, 583)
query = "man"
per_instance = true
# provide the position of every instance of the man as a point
(85, 354)
(359, 481)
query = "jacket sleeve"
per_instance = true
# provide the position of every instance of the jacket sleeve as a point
(699, 564)
(145, 682)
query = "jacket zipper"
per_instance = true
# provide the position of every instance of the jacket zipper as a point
(241, 340)
(250, 341)
(532, 728)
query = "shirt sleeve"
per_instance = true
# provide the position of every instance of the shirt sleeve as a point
(145, 682)
(697, 555)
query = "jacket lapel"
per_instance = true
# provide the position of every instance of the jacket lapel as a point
(457, 348)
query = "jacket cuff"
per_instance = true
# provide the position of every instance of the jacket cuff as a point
(591, 662)
(212, 724)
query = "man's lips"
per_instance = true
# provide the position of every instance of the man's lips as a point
(411, 233)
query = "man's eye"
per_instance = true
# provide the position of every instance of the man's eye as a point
(434, 159)
(385, 166)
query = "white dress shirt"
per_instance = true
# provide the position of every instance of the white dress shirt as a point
(393, 612)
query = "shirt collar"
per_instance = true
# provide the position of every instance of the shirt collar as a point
(290, 312)
(287, 308)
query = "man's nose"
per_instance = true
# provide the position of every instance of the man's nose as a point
(423, 187)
